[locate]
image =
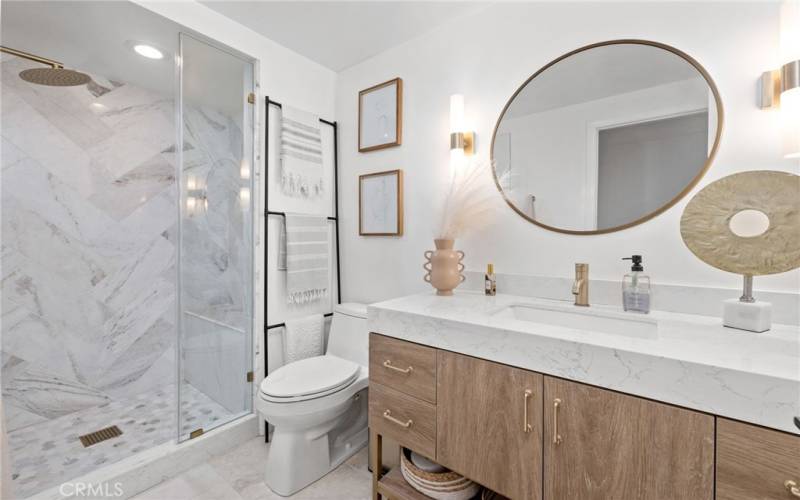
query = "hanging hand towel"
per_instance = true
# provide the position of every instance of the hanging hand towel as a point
(282, 245)
(301, 153)
(303, 338)
(307, 253)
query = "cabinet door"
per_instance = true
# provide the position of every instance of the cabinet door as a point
(489, 424)
(602, 445)
(755, 463)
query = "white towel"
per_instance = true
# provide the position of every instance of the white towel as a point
(301, 154)
(282, 245)
(303, 338)
(307, 254)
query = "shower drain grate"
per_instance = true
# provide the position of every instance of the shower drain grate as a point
(98, 436)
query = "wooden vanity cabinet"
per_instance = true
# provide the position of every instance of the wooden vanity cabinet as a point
(602, 445)
(754, 463)
(535, 437)
(489, 424)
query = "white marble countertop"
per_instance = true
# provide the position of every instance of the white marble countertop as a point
(691, 361)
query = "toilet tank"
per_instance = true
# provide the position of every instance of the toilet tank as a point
(348, 337)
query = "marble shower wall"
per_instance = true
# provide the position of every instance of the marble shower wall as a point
(216, 268)
(89, 217)
(216, 283)
(89, 240)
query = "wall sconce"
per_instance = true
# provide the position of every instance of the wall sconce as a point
(780, 88)
(462, 142)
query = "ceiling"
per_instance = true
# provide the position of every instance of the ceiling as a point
(340, 34)
(97, 38)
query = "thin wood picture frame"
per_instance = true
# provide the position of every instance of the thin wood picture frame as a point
(383, 203)
(387, 118)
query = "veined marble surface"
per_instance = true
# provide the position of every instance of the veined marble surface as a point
(89, 238)
(705, 301)
(692, 361)
(88, 272)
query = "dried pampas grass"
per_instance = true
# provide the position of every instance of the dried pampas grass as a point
(471, 202)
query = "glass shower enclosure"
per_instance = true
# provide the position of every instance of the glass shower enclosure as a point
(126, 239)
(216, 116)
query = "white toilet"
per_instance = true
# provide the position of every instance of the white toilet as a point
(318, 406)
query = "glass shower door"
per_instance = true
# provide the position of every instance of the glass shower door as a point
(216, 234)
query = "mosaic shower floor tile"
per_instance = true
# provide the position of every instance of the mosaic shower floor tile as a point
(46, 454)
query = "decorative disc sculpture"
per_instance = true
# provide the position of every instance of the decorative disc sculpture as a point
(706, 230)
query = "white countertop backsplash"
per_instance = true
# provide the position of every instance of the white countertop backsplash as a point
(705, 301)
(692, 361)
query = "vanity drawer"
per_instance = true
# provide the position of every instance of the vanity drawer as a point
(407, 367)
(407, 420)
(753, 463)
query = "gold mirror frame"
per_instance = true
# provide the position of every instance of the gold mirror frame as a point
(663, 208)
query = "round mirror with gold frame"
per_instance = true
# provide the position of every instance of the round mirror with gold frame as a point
(607, 136)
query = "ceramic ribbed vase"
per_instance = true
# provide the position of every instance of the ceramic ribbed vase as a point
(444, 267)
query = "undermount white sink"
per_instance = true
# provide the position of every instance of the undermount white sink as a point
(585, 319)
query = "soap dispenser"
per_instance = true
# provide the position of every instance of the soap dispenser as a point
(636, 287)
(490, 281)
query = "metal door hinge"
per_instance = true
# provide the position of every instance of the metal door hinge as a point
(251, 98)
(249, 376)
(196, 433)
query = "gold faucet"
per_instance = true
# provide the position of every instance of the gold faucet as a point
(580, 288)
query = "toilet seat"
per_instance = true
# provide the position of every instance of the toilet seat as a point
(309, 378)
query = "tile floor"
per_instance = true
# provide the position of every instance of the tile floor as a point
(46, 454)
(239, 475)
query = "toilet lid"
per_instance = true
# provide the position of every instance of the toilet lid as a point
(310, 376)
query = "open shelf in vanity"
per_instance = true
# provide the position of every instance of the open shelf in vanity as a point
(393, 485)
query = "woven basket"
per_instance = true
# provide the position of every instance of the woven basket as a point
(440, 485)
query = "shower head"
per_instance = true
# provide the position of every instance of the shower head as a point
(56, 75)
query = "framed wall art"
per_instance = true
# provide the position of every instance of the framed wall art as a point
(380, 204)
(380, 116)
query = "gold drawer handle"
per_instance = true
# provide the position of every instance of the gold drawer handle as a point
(792, 488)
(526, 427)
(556, 435)
(388, 416)
(388, 364)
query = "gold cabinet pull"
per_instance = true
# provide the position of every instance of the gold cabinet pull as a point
(388, 416)
(526, 427)
(792, 488)
(388, 364)
(556, 435)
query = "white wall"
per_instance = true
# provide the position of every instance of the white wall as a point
(286, 77)
(486, 56)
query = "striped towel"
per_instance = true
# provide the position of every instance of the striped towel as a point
(301, 154)
(306, 257)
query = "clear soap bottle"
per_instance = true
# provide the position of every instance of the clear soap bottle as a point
(636, 287)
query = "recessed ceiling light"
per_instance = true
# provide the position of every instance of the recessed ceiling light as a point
(148, 51)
